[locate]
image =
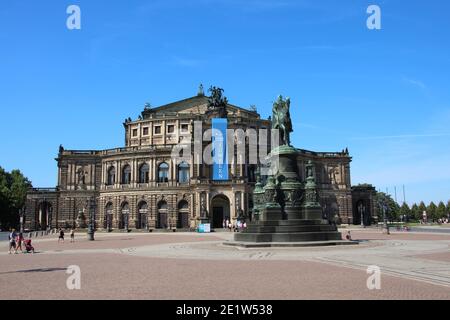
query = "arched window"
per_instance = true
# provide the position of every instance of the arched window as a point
(162, 205)
(163, 172)
(162, 215)
(126, 175)
(183, 215)
(144, 173)
(111, 176)
(108, 216)
(124, 216)
(142, 217)
(183, 173)
(183, 205)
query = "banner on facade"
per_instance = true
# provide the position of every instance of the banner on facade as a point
(220, 148)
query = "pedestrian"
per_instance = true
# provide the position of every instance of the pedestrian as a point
(230, 226)
(19, 242)
(72, 235)
(61, 235)
(349, 236)
(12, 241)
(245, 225)
(224, 224)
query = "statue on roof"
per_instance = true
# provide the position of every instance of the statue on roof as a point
(217, 102)
(147, 106)
(282, 119)
(201, 91)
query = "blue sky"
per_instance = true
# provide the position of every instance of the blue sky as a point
(383, 94)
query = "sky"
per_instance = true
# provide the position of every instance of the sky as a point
(384, 94)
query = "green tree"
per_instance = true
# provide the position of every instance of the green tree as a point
(422, 209)
(415, 212)
(432, 210)
(13, 191)
(393, 209)
(448, 208)
(441, 210)
(405, 211)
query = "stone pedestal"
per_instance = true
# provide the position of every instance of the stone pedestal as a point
(291, 212)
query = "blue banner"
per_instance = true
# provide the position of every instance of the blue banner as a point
(220, 149)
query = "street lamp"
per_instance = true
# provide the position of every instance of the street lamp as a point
(22, 218)
(91, 226)
(384, 208)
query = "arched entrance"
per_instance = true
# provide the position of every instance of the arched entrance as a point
(124, 216)
(108, 220)
(142, 216)
(220, 211)
(361, 214)
(162, 215)
(183, 215)
(44, 215)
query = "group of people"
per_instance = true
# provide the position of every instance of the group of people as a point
(16, 240)
(237, 226)
(62, 234)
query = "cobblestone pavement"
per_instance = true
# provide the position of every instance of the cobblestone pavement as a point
(191, 266)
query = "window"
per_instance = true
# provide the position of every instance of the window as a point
(145, 131)
(111, 176)
(135, 132)
(170, 128)
(158, 130)
(144, 173)
(183, 173)
(184, 128)
(163, 172)
(126, 175)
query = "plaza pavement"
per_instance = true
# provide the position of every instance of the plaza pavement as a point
(199, 267)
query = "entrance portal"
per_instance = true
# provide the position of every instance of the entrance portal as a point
(220, 211)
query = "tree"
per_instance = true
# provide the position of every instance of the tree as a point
(432, 210)
(13, 191)
(448, 208)
(393, 209)
(441, 210)
(405, 211)
(422, 209)
(415, 212)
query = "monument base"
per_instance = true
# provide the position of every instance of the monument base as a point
(250, 245)
(289, 231)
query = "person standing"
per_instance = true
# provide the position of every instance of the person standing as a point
(72, 235)
(12, 241)
(19, 242)
(61, 235)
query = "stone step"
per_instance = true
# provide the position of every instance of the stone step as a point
(289, 223)
(288, 237)
(287, 229)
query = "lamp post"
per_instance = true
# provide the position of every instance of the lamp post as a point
(50, 216)
(384, 208)
(91, 226)
(22, 218)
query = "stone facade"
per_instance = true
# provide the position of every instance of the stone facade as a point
(140, 186)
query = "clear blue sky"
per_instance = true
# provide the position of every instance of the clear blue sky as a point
(383, 94)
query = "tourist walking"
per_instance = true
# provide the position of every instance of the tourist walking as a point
(19, 242)
(224, 224)
(72, 235)
(61, 235)
(12, 241)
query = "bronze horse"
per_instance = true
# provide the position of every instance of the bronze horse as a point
(282, 119)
